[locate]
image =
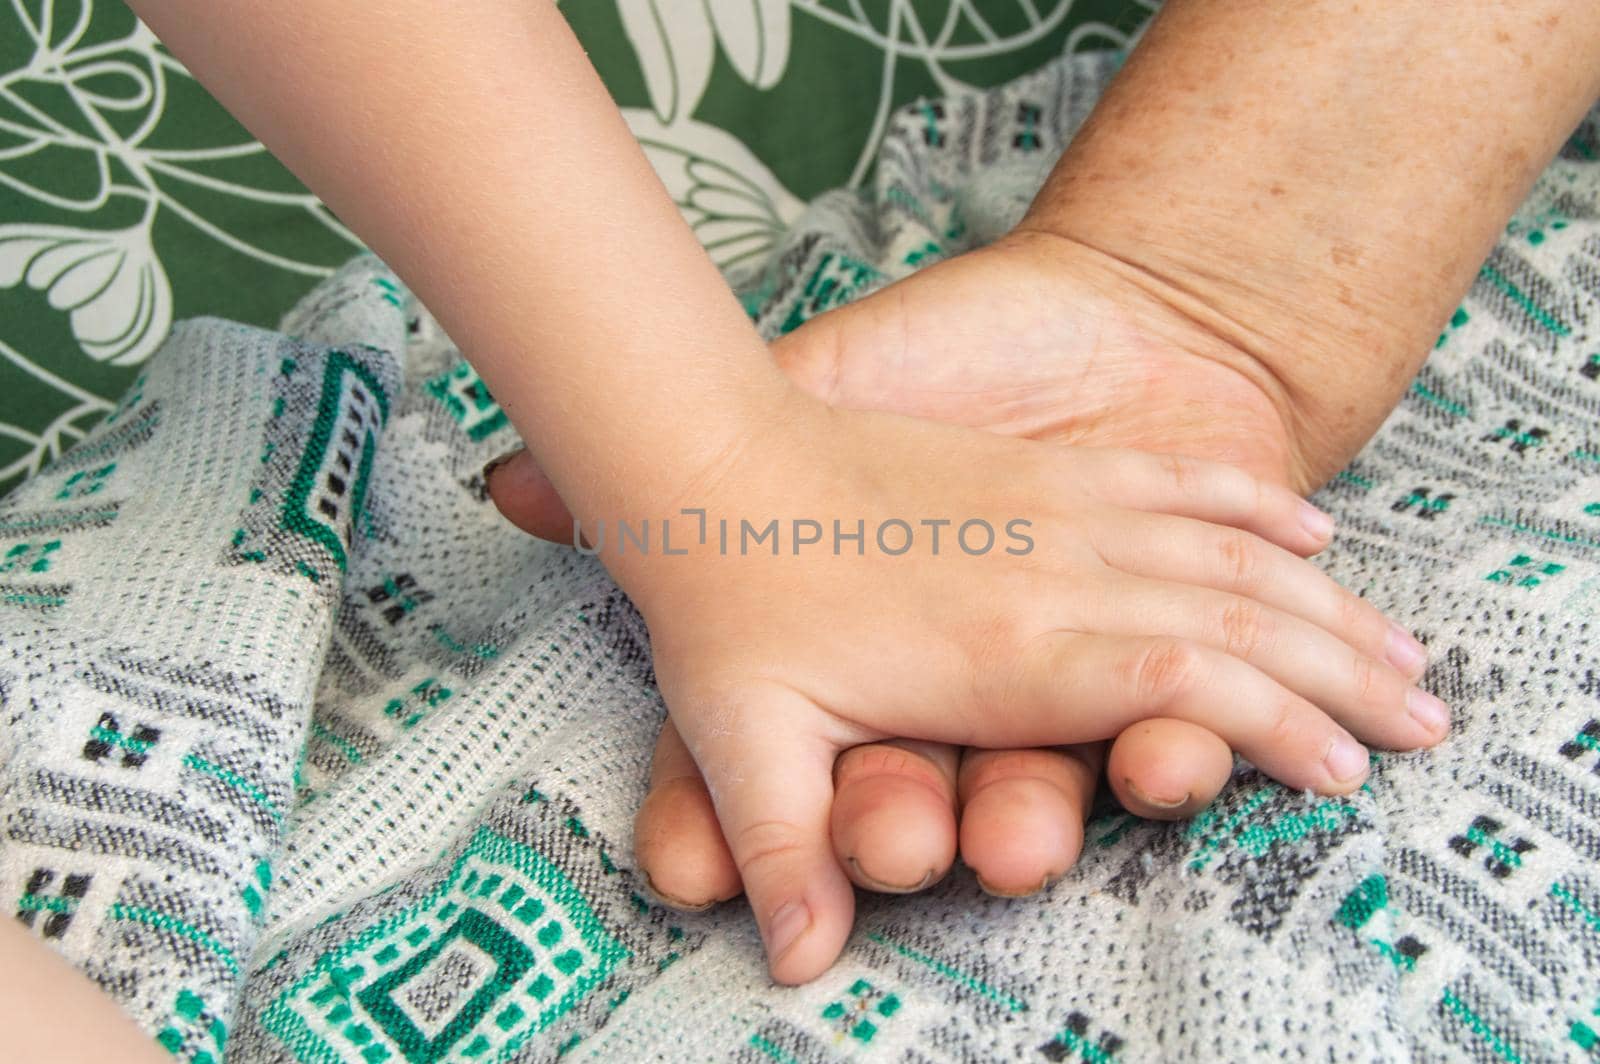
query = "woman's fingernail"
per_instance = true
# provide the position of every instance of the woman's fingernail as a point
(1427, 710)
(1044, 884)
(786, 927)
(672, 902)
(1154, 803)
(1317, 524)
(495, 463)
(874, 883)
(1346, 759)
(1404, 652)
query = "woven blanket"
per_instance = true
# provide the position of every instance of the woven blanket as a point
(309, 756)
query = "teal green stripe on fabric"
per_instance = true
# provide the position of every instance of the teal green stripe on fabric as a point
(234, 780)
(1521, 298)
(32, 903)
(1440, 401)
(44, 521)
(114, 738)
(20, 598)
(141, 915)
(1576, 904)
(1481, 1028)
(1559, 537)
(998, 996)
(342, 745)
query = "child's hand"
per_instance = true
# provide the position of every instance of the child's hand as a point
(1130, 605)
(1024, 337)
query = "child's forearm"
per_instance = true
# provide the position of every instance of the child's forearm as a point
(1319, 184)
(474, 148)
(51, 1012)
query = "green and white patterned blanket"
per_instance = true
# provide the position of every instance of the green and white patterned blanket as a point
(308, 756)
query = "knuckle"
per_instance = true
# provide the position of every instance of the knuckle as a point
(767, 844)
(1285, 728)
(1164, 671)
(1000, 663)
(1180, 471)
(1354, 615)
(1012, 763)
(1259, 493)
(876, 759)
(1366, 679)
(983, 768)
(1246, 630)
(879, 762)
(1241, 562)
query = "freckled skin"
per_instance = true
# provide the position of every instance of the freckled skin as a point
(1351, 170)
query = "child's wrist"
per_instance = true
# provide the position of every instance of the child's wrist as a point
(659, 513)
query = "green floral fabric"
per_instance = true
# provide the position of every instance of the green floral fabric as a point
(127, 193)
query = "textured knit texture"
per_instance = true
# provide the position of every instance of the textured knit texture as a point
(307, 755)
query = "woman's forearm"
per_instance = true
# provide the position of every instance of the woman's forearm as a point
(476, 151)
(1319, 181)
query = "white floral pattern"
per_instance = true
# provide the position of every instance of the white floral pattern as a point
(98, 146)
(120, 187)
(110, 282)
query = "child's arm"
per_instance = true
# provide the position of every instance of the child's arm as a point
(52, 1013)
(475, 150)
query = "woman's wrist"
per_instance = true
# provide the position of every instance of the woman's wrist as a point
(1317, 186)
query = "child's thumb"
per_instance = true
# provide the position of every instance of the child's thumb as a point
(773, 788)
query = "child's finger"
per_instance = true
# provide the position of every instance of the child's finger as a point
(1209, 491)
(773, 785)
(676, 838)
(525, 497)
(1022, 814)
(1367, 696)
(894, 814)
(1118, 680)
(1194, 552)
(1165, 769)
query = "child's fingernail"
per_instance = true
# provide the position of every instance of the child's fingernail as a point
(785, 927)
(495, 463)
(1404, 652)
(1427, 710)
(1318, 525)
(1346, 759)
